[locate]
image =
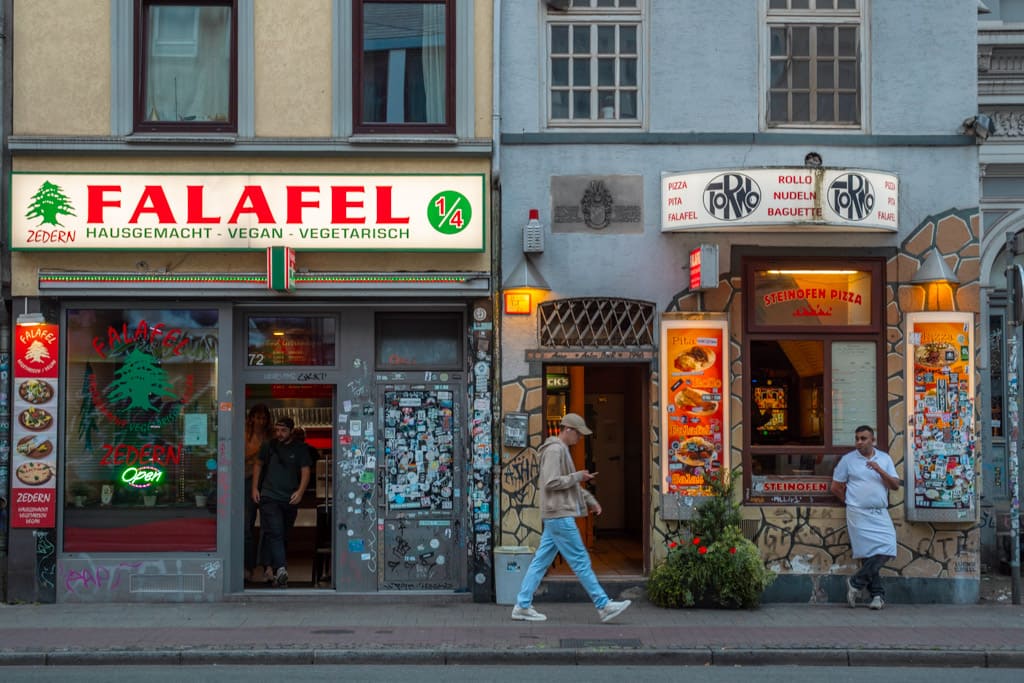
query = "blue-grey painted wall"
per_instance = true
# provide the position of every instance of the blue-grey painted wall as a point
(703, 64)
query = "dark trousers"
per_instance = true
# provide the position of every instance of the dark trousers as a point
(868, 575)
(251, 539)
(277, 519)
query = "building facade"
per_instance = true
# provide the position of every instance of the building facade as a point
(758, 229)
(1000, 98)
(226, 204)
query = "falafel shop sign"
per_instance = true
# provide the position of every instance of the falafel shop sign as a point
(72, 212)
(834, 199)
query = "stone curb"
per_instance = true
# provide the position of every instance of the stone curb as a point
(1002, 659)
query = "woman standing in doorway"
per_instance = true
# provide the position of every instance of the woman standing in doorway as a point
(258, 429)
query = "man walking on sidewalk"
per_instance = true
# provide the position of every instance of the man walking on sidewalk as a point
(287, 463)
(862, 480)
(562, 499)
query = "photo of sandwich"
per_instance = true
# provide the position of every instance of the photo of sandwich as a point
(694, 359)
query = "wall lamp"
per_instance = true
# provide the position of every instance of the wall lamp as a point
(520, 285)
(30, 319)
(981, 126)
(934, 276)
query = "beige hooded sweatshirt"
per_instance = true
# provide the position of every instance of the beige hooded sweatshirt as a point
(560, 492)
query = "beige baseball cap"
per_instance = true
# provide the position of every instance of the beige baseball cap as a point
(574, 421)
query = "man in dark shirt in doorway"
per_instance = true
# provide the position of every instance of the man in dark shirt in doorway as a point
(287, 464)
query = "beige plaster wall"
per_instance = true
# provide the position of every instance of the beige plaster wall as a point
(293, 68)
(62, 49)
(483, 59)
(25, 265)
(68, 73)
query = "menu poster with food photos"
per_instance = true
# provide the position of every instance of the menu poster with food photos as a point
(694, 400)
(34, 434)
(941, 470)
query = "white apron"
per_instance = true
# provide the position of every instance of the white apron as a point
(871, 532)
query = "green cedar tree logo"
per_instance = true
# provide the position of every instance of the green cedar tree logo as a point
(138, 380)
(49, 202)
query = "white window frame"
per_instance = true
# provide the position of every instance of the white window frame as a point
(775, 18)
(596, 16)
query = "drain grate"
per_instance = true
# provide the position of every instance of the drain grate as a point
(576, 643)
(335, 631)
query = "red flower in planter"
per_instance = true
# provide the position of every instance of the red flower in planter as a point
(696, 541)
(732, 551)
(672, 544)
(702, 550)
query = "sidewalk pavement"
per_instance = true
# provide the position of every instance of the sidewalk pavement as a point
(312, 628)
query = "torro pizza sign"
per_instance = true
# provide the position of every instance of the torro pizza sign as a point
(34, 461)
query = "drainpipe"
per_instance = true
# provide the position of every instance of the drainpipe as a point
(496, 272)
(6, 68)
(1014, 281)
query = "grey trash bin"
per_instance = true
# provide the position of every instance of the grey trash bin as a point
(510, 563)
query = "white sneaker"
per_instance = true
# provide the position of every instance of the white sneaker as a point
(281, 578)
(613, 609)
(851, 594)
(527, 614)
(877, 602)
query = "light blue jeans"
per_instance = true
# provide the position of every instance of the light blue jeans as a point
(561, 536)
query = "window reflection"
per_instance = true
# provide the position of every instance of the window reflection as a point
(786, 392)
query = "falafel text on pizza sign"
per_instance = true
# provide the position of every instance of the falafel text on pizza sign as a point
(694, 399)
(34, 461)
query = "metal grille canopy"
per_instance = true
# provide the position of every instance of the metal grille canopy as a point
(596, 322)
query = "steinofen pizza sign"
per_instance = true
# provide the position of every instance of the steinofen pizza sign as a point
(71, 212)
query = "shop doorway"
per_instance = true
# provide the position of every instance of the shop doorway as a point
(310, 542)
(613, 400)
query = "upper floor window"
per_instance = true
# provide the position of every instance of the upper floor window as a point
(814, 62)
(186, 66)
(404, 66)
(594, 67)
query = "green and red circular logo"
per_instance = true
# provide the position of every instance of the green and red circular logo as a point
(449, 212)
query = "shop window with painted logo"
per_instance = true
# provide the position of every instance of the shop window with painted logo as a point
(140, 437)
(290, 340)
(814, 357)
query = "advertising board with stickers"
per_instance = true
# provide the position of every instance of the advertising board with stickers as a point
(942, 467)
(694, 360)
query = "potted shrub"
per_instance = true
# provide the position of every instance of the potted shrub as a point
(713, 565)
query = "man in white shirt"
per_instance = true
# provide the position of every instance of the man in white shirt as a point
(862, 480)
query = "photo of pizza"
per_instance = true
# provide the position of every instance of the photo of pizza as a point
(35, 391)
(694, 359)
(696, 451)
(32, 446)
(693, 402)
(34, 473)
(936, 354)
(35, 419)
